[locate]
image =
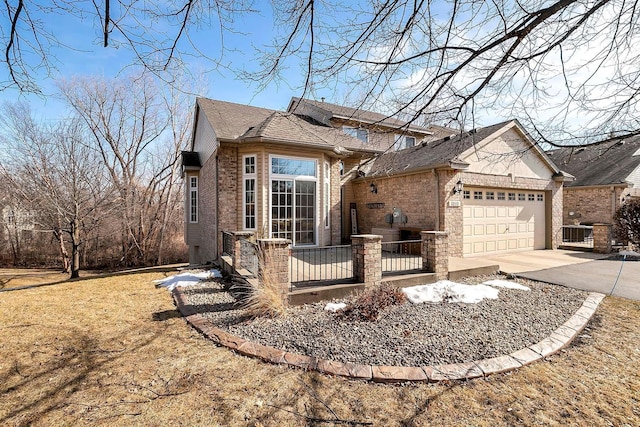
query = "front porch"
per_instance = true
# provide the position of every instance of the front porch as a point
(313, 274)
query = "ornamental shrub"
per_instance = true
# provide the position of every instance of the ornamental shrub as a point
(627, 221)
(368, 305)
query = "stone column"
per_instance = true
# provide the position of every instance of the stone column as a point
(367, 259)
(273, 269)
(238, 236)
(602, 234)
(435, 253)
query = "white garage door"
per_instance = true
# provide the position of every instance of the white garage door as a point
(501, 220)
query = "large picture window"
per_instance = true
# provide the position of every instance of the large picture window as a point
(249, 192)
(193, 199)
(293, 201)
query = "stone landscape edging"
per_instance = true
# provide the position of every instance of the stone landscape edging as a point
(555, 342)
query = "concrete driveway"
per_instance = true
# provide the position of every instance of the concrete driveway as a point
(598, 276)
(580, 270)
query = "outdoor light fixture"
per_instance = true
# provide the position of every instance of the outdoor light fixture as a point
(458, 188)
(374, 188)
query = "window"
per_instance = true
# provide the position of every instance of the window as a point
(466, 194)
(540, 198)
(532, 197)
(512, 196)
(249, 192)
(327, 195)
(490, 195)
(193, 199)
(250, 165)
(521, 197)
(295, 167)
(477, 195)
(500, 195)
(403, 141)
(359, 133)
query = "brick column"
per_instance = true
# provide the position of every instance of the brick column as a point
(602, 234)
(367, 259)
(238, 236)
(435, 253)
(274, 265)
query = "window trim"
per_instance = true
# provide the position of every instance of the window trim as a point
(327, 195)
(248, 176)
(193, 199)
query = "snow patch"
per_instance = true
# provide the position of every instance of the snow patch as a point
(186, 279)
(445, 290)
(334, 306)
(506, 284)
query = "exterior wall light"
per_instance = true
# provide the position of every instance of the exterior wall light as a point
(458, 187)
(373, 188)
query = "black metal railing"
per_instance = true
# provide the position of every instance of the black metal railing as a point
(227, 243)
(580, 235)
(402, 255)
(317, 265)
(249, 255)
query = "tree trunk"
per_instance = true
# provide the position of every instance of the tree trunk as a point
(64, 255)
(75, 248)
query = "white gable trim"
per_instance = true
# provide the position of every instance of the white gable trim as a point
(525, 137)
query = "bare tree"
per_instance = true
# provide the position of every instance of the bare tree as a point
(566, 68)
(156, 34)
(55, 177)
(138, 132)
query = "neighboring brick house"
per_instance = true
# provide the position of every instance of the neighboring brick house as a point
(606, 174)
(298, 174)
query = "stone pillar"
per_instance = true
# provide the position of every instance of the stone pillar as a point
(238, 236)
(367, 259)
(273, 265)
(435, 253)
(602, 234)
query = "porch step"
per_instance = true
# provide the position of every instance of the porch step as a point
(473, 271)
(576, 248)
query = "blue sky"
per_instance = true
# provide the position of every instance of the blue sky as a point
(84, 55)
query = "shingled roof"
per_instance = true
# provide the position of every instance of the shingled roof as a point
(231, 120)
(347, 113)
(608, 162)
(244, 123)
(432, 154)
(290, 128)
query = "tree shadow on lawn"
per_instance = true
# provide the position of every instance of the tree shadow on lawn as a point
(161, 316)
(159, 269)
(65, 371)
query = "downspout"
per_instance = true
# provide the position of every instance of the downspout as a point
(437, 177)
(217, 195)
(613, 202)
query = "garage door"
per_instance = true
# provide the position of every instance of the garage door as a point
(501, 220)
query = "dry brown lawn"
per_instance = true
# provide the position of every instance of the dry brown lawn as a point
(113, 351)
